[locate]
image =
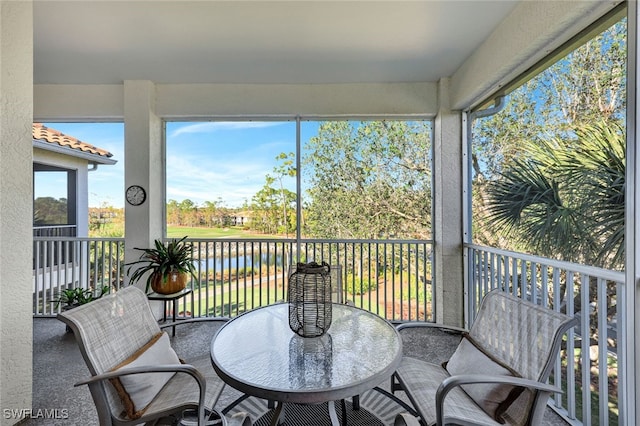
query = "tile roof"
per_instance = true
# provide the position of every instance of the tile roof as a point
(52, 136)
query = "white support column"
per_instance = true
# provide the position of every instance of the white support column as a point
(144, 166)
(82, 201)
(16, 207)
(447, 228)
(629, 368)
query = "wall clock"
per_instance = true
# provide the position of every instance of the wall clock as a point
(136, 195)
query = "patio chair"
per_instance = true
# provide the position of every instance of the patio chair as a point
(136, 375)
(498, 373)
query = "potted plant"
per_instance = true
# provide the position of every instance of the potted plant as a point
(167, 267)
(72, 297)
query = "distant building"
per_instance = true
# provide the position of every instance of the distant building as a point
(240, 218)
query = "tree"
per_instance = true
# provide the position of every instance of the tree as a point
(173, 213)
(188, 213)
(50, 211)
(547, 125)
(267, 208)
(369, 180)
(286, 169)
(208, 212)
(567, 200)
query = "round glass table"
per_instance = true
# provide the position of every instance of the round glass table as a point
(258, 354)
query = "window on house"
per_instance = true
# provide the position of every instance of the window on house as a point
(51, 204)
(355, 194)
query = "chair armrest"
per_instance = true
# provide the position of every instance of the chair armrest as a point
(448, 328)
(177, 368)
(167, 368)
(191, 321)
(464, 379)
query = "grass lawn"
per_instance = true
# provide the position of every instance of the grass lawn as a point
(116, 230)
(235, 302)
(201, 232)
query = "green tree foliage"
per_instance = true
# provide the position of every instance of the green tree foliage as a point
(274, 206)
(187, 213)
(208, 214)
(369, 180)
(584, 87)
(173, 213)
(566, 200)
(549, 169)
(106, 221)
(50, 211)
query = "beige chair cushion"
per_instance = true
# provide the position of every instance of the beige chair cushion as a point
(421, 379)
(138, 390)
(493, 398)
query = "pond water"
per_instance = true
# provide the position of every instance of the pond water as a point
(225, 263)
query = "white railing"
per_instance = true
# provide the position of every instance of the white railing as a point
(55, 231)
(392, 278)
(590, 366)
(60, 263)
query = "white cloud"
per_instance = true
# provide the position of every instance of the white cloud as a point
(203, 179)
(212, 126)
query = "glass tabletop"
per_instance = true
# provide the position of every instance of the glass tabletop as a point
(257, 353)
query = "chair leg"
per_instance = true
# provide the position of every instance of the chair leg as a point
(395, 384)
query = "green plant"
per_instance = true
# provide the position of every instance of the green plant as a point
(360, 285)
(79, 296)
(176, 256)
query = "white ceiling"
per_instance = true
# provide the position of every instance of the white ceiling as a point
(107, 42)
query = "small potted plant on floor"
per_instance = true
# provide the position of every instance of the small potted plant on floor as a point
(167, 267)
(71, 297)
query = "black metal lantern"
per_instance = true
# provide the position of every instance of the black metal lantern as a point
(310, 299)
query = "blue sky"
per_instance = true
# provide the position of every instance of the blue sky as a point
(225, 161)
(107, 182)
(206, 161)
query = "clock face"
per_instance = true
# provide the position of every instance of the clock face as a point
(136, 195)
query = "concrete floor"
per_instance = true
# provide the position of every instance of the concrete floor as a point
(58, 364)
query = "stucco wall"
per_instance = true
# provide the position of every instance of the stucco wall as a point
(532, 31)
(106, 102)
(16, 324)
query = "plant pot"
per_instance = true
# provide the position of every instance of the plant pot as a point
(171, 283)
(67, 307)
